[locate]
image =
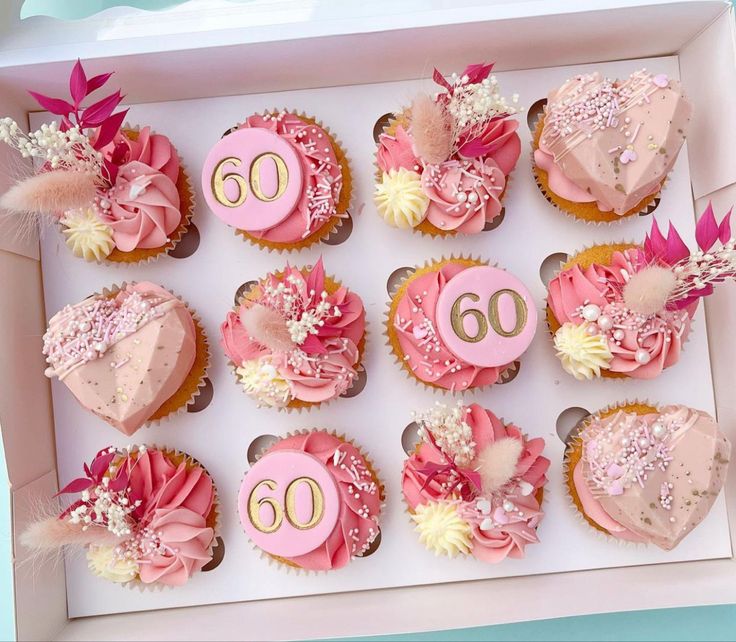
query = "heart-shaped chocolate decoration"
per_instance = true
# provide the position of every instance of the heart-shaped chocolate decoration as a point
(612, 141)
(123, 356)
(656, 475)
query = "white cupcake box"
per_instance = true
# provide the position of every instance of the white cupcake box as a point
(348, 66)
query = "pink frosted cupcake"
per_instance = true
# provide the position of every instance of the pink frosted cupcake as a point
(132, 355)
(119, 194)
(296, 339)
(457, 324)
(312, 501)
(443, 164)
(145, 516)
(280, 179)
(624, 310)
(642, 474)
(474, 485)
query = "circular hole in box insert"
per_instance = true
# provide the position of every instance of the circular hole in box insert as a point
(243, 290)
(381, 123)
(410, 438)
(218, 554)
(396, 277)
(342, 232)
(204, 398)
(569, 421)
(358, 385)
(492, 225)
(259, 445)
(188, 244)
(508, 375)
(551, 266)
(534, 112)
(373, 547)
(651, 208)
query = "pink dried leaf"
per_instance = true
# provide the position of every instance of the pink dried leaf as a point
(478, 72)
(316, 278)
(312, 345)
(440, 80)
(53, 105)
(78, 83)
(97, 81)
(96, 114)
(101, 464)
(676, 248)
(474, 148)
(120, 481)
(658, 242)
(76, 486)
(109, 129)
(724, 229)
(706, 230)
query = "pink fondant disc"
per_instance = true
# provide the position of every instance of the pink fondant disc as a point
(288, 503)
(252, 179)
(486, 316)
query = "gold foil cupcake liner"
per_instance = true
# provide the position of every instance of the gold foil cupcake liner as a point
(425, 228)
(213, 519)
(572, 455)
(601, 255)
(342, 206)
(392, 338)
(195, 381)
(331, 286)
(586, 212)
(187, 204)
(290, 567)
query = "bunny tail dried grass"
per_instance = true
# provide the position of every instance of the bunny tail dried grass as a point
(51, 193)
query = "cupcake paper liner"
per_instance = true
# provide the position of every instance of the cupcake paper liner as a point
(286, 565)
(342, 205)
(331, 286)
(195, 380)
(213, 519)
(586, 212)
(186, 207)
(425, 228)
(392, 340)
(600, 254)
(572, 455)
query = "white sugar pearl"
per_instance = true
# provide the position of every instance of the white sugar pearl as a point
(605, 323)
(618, 334)
(591, 330)
(100, 346)
(591, 312)
(508, 506)
(462, 197)
(658, 430)
(85, 326)
(472, 197)
(643, 442)
(642, 357)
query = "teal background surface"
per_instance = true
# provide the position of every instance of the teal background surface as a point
(703, 623)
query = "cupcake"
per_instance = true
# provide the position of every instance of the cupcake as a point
(312, 501)
(145, 517)
(119, 193)
(131, 355)
(643, 474)
(459, 323)
(474, 484)
(443, 163)
(603, 147)
(296, 339)
(280, 179)
(625, 310)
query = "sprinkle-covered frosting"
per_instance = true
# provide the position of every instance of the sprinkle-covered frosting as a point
(292, 340)
(650, 477)
(472, 485)
(345, 495)
(612, 141)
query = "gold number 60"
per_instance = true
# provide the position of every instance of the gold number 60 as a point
(457, 317)
(254, 505)
(219, 179)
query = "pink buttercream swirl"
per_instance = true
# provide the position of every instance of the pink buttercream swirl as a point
(175, 503)
(360, 499)
(323, 366)
(429, 359)
(464, 191)
(496, 532)
(154, 150)
(660, 335)
(142, 208)
(322, 176)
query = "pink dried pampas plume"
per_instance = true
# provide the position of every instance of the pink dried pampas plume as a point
(52, 533)
(431, 129)
(267, 327)
(497, 463)
(51, 193)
